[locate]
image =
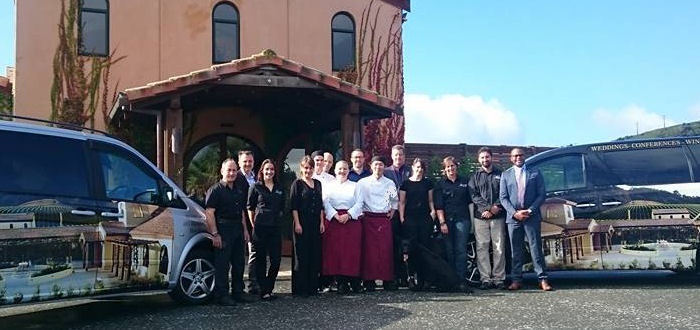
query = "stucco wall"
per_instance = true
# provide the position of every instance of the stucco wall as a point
(164, 38)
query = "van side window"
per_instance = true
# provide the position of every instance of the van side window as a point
(124, 180)
(647, 166)
(43, 165)
(562, 173)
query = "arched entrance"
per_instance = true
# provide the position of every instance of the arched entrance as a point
(203, 161)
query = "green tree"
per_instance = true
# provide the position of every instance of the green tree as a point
(6, 105)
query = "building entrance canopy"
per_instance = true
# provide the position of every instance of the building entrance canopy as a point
(266, 99)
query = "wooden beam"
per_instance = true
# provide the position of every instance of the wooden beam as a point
(267, 81)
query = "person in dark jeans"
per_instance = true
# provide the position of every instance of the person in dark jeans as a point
(226, 222)
(452, 199)
(416, 212)
(265, 205)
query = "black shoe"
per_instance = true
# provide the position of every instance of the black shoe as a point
(241, 299)
(225, 301)
(370, 286)
(415, 285)
(402, 283)
(389, 286)
(485, 286)
(324, 289)
(268, 297)
(343, 288)
(500, 285)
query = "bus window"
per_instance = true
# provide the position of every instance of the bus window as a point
(562, 173)
(647, 166)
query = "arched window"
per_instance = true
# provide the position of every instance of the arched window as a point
(225, 33)
(343, 42)
(94, 28)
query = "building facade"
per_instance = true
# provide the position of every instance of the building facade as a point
(307, 44)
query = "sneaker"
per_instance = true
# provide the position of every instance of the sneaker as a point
(485, 286)
(500, 285)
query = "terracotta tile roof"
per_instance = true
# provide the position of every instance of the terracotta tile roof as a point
(160, 226)
(670, 211)
(549, 229)
(558, 200)
(114, 228)
(579, 224)
(266, 58)
(66, 232)
(601, 229)
(92, 236)
(647, 223)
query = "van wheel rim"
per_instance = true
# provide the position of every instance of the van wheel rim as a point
(197, 278)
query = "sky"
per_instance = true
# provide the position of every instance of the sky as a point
(545, 73)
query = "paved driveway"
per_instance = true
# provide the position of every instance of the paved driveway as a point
(628, 300)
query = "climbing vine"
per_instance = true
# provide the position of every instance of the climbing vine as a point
(80, 83)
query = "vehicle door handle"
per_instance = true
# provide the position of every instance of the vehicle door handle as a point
(112, 214)
(83, 212)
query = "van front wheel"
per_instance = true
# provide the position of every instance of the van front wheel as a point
(195, 284)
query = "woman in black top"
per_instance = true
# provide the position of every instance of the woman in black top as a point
(265, 205)
(416, 212)
(307, 212)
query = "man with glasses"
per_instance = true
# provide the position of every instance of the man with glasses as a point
(522, 193)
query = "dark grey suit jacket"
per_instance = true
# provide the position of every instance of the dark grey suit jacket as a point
(534, 193)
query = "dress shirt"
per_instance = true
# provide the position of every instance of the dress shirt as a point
(250, 177)
(377, 195)
(324, 178)
(341, 196)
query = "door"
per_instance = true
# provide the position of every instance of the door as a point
(136, 217)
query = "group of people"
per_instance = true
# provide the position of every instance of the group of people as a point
(362, 224)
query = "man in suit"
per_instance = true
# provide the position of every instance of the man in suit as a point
(522, 193)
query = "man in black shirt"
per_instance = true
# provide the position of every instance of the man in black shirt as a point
(489, 222)
(226, 221)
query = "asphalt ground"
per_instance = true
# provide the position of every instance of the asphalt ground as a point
(582, 300)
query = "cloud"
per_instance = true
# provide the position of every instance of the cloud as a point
(695, 112)
(621, 122)
(457, 118)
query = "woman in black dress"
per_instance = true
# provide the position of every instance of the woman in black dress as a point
(416, 212)
(307, 212)
(265, 205)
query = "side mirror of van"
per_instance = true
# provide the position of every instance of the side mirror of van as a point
(171, 199)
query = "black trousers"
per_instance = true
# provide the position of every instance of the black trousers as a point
(267, 242)
(416, 231)
(231, 256)
(399, 265)
(306, 264)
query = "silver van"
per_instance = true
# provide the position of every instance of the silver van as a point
(83, 214)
